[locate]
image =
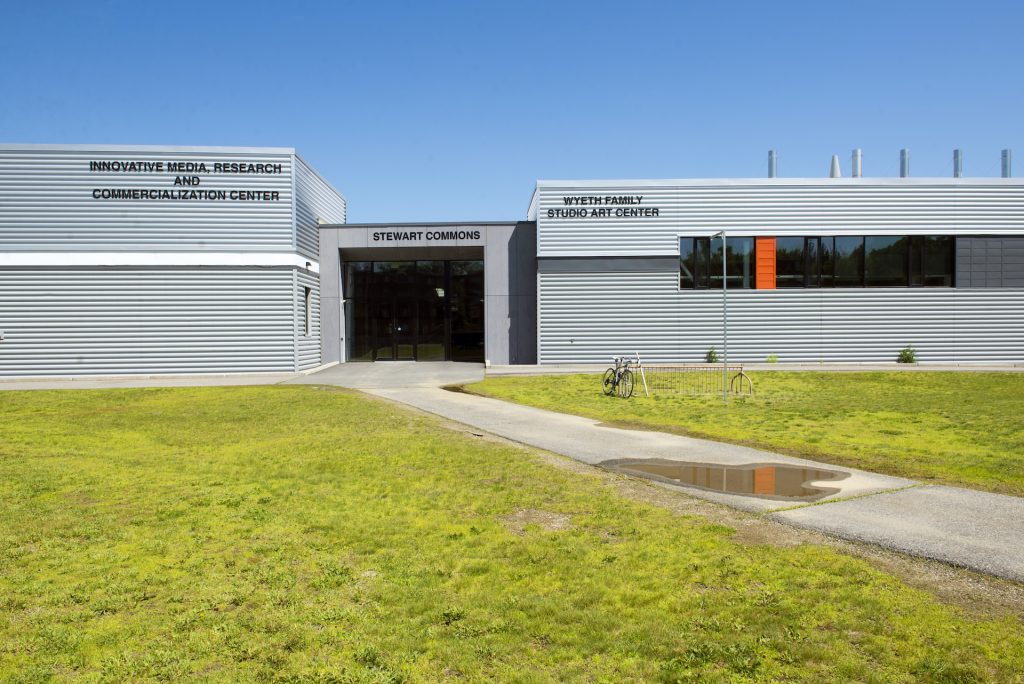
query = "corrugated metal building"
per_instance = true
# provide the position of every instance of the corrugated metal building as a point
(142, 259)
(146, 260)
(823, 269)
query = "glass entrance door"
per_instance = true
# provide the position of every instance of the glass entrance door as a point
(384, 325)
(405, 330)
(414, 310)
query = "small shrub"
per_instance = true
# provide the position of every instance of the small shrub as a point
(907, 355)
(772, 358)
(711, 356)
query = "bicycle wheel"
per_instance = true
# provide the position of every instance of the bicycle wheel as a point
(626, 384)
(608, 382)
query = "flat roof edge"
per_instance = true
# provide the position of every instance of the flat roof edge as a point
(816, 180)
(144, 148)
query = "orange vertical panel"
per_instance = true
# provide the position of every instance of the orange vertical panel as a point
(764, 478)
(764, 254)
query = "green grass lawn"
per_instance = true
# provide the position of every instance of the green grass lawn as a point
(303, 534)
(957, 428)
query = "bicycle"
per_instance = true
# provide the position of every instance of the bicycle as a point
(618, 380)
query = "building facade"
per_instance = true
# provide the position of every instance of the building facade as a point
(138, 260)
(429, 292)
(144, 260)
(827, 269)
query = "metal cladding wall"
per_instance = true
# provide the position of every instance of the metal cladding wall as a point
(47, 203)
(831, 206)
(117, 259)
(314, 199)
(61, 321)
(307, 346)
(594, 310)
(589, 317)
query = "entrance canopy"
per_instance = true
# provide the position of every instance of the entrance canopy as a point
(429, 292)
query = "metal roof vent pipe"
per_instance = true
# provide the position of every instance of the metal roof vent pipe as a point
(958, 163)
(855, 165)
(904, 163)
(773, 163)
(834, 171)
(1007, 159)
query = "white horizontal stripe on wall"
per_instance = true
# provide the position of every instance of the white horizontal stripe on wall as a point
(590, 317)
(80, 259)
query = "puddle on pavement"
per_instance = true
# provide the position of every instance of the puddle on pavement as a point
(780, 481)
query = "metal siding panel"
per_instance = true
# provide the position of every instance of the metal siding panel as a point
(990, 262)
(587, 318)
(46, 203)
(314, 198)
(830, 206)
(307, 347)
(110, 321)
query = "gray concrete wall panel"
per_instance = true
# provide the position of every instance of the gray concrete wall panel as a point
(990, 262)
(636, 264)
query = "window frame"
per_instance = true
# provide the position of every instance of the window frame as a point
(701, 244)
(307, 295)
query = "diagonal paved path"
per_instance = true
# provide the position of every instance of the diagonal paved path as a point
(976, 530)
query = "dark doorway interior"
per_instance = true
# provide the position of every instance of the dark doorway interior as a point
(424, 310)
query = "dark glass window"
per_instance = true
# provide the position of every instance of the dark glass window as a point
(739, 263)
(886, 262)
(848, 258)
(939, 262)
(828, 261)
(812, 252)
(357, 279)
(789, 262)
(872, 261)
(430, 275)
(687, 267)
(694, 262)
(700, 263)
(466, 301)
(393, 274)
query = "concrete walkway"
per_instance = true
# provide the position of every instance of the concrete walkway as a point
(976, 530)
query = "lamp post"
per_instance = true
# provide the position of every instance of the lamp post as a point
(725, 323)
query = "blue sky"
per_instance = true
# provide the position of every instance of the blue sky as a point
(434, 111)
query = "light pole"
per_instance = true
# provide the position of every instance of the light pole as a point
(725, 323)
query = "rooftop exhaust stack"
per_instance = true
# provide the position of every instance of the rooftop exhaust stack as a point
(958, 163)
(904, 163)
(1007, 171)
(773, 163)
(834, 171)
(855, 166)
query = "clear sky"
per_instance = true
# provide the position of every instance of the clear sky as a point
(437, 111)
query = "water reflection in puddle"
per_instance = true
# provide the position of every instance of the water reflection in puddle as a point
(764, 480)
